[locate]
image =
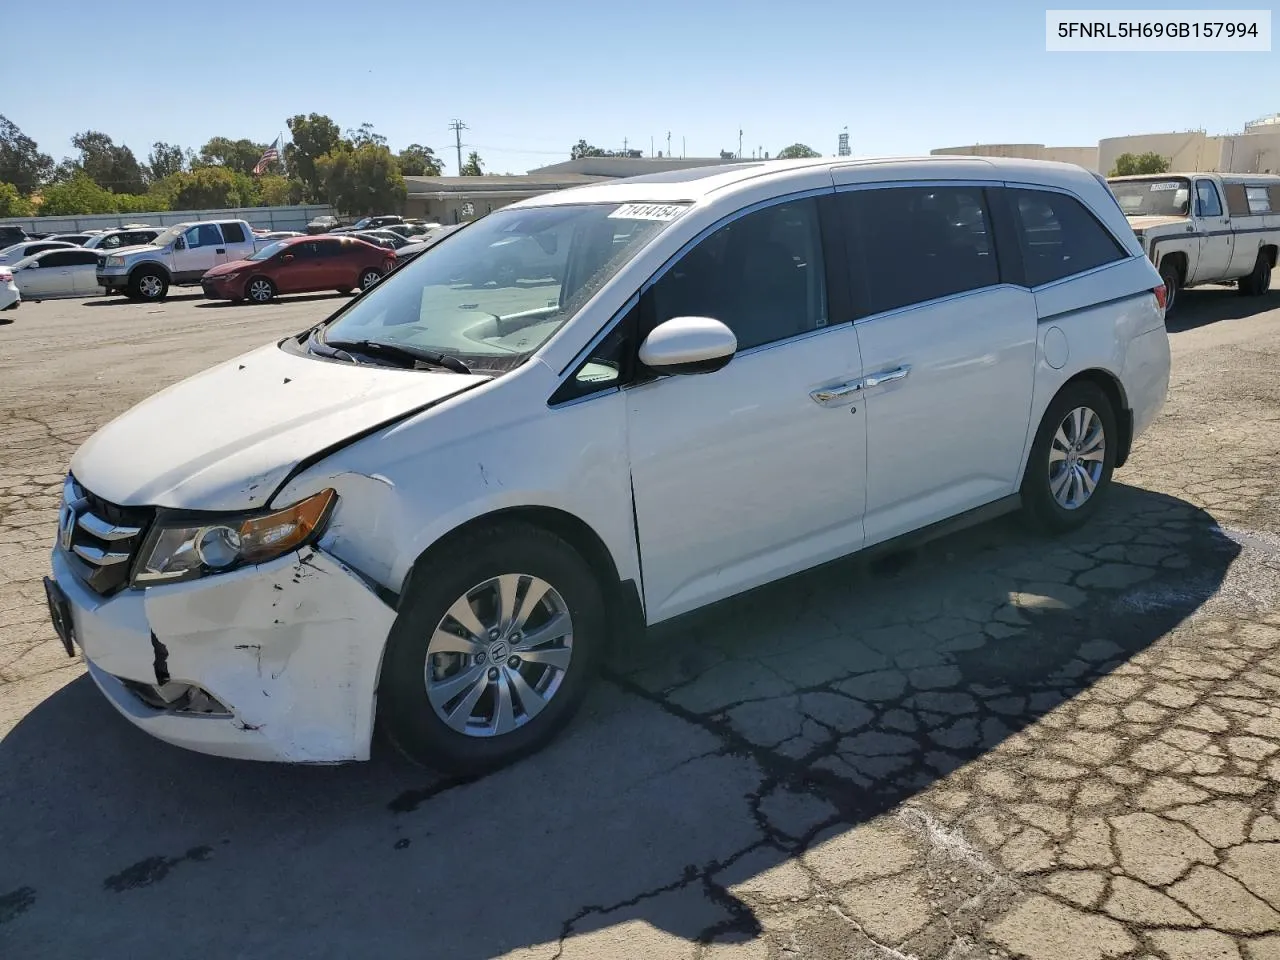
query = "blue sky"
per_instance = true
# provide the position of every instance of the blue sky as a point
(531, 79)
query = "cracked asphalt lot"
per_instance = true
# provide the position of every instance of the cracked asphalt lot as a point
(995, 746)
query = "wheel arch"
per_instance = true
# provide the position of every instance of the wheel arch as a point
(1270, 251)
(1110, 385)
(155, 265)
(1179, 260)
(622, 597)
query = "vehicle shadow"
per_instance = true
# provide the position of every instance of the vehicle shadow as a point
(288, 298)
(1201, 306)
(123, 301)
(720, 749)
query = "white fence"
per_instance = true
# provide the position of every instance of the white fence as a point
(267, 218)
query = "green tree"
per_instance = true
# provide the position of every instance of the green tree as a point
(278, 191)
(165, 160)
(110, 166)
(474, 166)
(12, 203)
(240, 156)
(21, 162)
(583, 149)
(1130, 164)
(797, 151)
(364, 136)
(362, 180)
(212, 188)
(134, 203)
(313, 135)
(77, 195)
(419, 161)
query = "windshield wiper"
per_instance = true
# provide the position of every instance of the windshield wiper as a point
(431, 358)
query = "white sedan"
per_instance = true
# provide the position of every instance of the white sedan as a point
(29, 248)
(55, 274)
(9, 295)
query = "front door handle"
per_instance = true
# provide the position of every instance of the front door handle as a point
(220, 249)
(887, 376)
(836, 395)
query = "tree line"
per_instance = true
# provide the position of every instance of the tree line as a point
(355, 171)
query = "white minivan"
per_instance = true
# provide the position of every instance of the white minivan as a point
(436, 507)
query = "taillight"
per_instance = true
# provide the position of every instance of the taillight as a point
(1162, 296)
(5, 274)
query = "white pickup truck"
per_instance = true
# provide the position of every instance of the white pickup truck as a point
(179, 256)
(1205, 227)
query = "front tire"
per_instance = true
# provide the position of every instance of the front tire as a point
(260, 290)
(493, 650)
(148, 283)
(368, 277)
(1072, 458)
(1258, 281)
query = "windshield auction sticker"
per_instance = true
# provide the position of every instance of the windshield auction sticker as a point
(1129, 31)
(648, 211)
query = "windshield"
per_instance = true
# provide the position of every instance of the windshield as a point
(166, 237)
(1165, 197)
(269, 251)
(499, 289)
(364, 222)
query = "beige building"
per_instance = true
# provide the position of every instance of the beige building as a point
(1086, 157)
(455, 199)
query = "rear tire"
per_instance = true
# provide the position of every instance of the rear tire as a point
(368, 277)
(508, 676)
(148, 283)
(1258, 281)
(1074, 452)
(1172, 278)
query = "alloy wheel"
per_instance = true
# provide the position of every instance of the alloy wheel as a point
(1077, 456)
(260, 291)
(499, 655)
(151, 286)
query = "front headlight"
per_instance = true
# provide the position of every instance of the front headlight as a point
(114, 262)
(186, 550)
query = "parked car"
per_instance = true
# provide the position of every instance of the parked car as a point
(270, 236)
(10, 234)
(58, 274)
(299, 265)
(1230, 233)
(76, 238)
(29, 248)
(423, 243)
(439, 504)
(10, 295)
(181, 255)
(323, 225)
(370, 223)
(382, 238)
(124, 237)
(410, 230)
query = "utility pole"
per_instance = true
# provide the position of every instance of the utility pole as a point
(739, 144)
(668, 143)
(624, 146)
(457, 126)
(682, 148)
(651, 148)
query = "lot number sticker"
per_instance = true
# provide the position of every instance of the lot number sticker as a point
(648, 211)
(1165, 186)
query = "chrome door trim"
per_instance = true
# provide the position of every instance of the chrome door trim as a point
(887, 376)
(836, 395)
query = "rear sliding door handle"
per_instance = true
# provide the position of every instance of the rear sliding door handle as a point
(221, 249)
(837, 395)
(887, 376)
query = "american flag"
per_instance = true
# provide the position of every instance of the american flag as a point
(271, 156)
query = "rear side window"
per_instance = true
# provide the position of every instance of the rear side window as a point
(60, 259)
(233, 232)
(1060, 237)
(328, 248)
(1237, 199)
(1259, 202)
(913, 244)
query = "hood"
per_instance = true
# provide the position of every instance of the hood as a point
(225, 439)
(1147, 222)
(145, 248)
(230, 267)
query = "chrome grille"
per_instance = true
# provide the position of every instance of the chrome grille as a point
(100, 538)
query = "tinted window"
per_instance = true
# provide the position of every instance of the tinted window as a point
(1274, 193)
(301, 251)
(1237, 200)
(59, 258)
(78, 258)
(233, 232)
(328, 248)
(204, 235)
(761, 275)
(1207, 195)
(912, 244)
(1060, 238)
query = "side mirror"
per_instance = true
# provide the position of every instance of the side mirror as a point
(180, 244)
(688, 345)
(286, 258)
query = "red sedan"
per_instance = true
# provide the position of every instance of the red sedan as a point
(299, 265)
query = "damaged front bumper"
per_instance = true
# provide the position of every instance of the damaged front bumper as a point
(274, 662)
